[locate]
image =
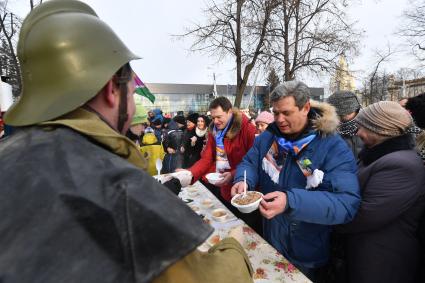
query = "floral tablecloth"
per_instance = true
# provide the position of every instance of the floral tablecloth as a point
(268, 264)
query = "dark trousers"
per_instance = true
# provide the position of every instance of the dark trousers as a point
(311, 273)
(253, 219)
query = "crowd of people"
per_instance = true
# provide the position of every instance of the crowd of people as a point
(343, 185)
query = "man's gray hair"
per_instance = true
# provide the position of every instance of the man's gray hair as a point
(298, 90)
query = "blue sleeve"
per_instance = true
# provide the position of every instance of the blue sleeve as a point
(339, 202)
(251, 162)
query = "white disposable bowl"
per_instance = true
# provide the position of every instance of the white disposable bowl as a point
(247, 208)
(214, 177)
(204, 247)
(214, 239)
(192, 191)
(207, 203)
(195, 209)
(221, 218)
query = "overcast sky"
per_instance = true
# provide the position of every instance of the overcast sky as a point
(147, 26)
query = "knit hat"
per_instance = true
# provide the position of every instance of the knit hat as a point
(193, 118)
(345, 102)
(180, 119)
(385, 118)
(140, 115)
(265, 117)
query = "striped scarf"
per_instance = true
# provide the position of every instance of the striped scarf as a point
(222, 163)
(295, 147)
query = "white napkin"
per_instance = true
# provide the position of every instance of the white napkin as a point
(193, 140)
(314, 179)
(270, 170)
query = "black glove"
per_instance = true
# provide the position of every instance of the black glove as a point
(173, 185)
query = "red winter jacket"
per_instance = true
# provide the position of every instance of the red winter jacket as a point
(238, 140)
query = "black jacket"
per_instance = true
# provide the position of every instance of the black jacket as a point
(173, 139)
(354, 143)
(382, 242)
(71, 211)
(192, 153)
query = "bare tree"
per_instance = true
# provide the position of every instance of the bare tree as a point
(292, 35)
(309, 35)
(413, 27)
(9, 28)
(10, 25)
(272, 82)
(376, 84)
(408, 74)
(236, 29)
(33, 3)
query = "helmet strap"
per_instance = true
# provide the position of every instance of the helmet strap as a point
(124, 76)
(122, 110)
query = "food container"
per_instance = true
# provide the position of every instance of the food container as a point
(204, 247)
(192, 191)
(214, 177)
(207, 203)
(195, 209)
(252, 198)
(219, 215)
(214, 240)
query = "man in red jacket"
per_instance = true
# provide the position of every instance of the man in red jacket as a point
(230, 137)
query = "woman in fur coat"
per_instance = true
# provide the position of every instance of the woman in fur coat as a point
(195, 138)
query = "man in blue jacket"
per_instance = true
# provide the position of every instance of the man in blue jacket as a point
(309, 183)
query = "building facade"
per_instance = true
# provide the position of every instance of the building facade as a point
(171, 98)
(343, 78)
(404, 89)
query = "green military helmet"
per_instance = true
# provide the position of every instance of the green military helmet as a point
(67, 54)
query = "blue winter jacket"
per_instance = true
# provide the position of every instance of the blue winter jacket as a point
(302, 232)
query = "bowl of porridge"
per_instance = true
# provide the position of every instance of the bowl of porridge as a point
(219, 214)
(247, 203)
(207, 203)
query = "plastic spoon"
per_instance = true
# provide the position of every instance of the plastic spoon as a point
(244, 183)
(158, 165)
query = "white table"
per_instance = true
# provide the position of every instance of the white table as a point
(268, 264)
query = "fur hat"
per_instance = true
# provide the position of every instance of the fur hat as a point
(193, 118)
(345, 102)
(180, 119)
(385, 118)
(416, 106)
(265, 117)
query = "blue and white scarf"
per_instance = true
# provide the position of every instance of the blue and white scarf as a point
(295, 147)
(222, 163)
